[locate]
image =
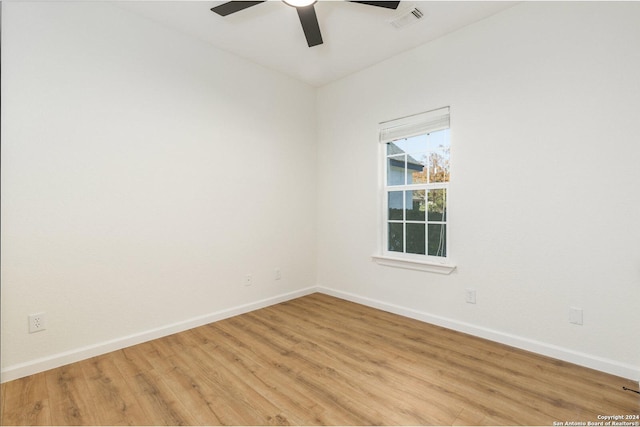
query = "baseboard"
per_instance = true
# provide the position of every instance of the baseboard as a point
(50, 362)
(590, 361)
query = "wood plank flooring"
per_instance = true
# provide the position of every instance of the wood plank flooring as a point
(317, 360)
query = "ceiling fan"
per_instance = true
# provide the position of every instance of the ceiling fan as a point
(306, 13)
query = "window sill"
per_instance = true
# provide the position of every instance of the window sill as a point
(431, 267)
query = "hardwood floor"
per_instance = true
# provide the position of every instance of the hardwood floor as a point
(317, 360)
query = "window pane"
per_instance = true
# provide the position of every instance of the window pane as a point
(438, 240)
(438, 140)
(396, 237)
(417, 168)
(439, 154)
(437, 205)
(415, 239)
(415, 205)
(396, 170)
(439, 166)
(396, 206)
(393, 148)
(415, 144)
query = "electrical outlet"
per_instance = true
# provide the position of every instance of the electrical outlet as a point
(277, 274)
(37, 322)
(470, 296)
(248, 280)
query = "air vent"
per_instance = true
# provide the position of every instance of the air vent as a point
(407, 17)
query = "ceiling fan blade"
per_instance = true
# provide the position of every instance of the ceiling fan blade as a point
(387, 4)
(310, 26)
(234, 6)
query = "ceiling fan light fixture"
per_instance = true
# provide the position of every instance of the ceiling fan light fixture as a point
(299, 3)
(306, 13)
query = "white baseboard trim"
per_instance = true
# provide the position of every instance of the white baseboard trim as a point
(50, 362)
(587, 360)
(56, 360)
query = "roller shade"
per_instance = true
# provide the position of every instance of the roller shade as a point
(417, 124)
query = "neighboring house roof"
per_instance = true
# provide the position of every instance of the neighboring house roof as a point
(393, 149)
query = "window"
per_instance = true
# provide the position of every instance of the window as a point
(416, 189)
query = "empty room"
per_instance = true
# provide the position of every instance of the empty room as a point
(320, 213)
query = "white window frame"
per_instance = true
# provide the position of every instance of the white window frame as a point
(393, 130)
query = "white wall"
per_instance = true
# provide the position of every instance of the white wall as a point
(143, 175)
(128, 151)
(545, 198)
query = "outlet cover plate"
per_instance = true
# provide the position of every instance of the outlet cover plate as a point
(37, 322)
(248, 280)
(575, 315)
(470, 296)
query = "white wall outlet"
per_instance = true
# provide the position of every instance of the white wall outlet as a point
(248, 280)
(277, 274)
(575, 315)
(470, 296)
(37, 322)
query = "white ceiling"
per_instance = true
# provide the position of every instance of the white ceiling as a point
(355, 35)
